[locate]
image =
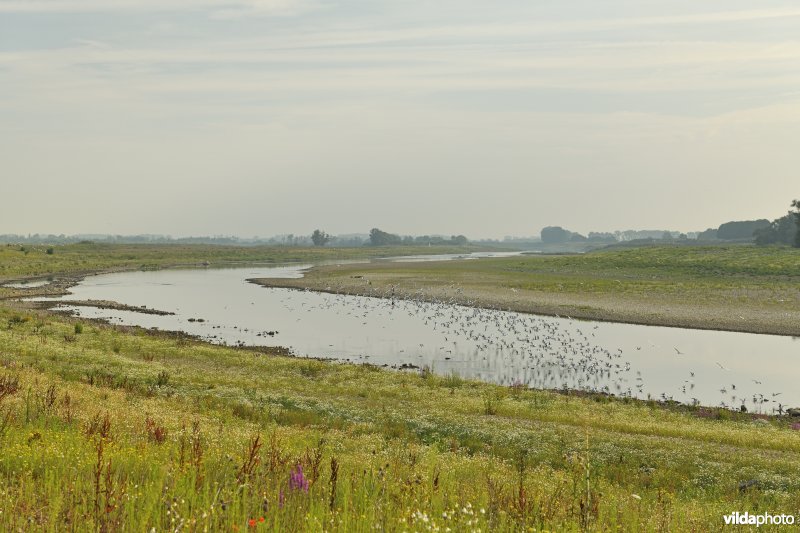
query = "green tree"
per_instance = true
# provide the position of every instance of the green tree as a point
(555, 235)
(320, 238)
(381, 238)
(780, 231)
(784, 230)
(741, 229)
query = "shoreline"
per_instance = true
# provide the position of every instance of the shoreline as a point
(64, 283)
(544, 304)
(183, 338)
(615, 310)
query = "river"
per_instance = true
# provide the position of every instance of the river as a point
(220, 305)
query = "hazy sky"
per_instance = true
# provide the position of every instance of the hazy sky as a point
(484, 118)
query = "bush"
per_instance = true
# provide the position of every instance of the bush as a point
(78, 329)
(162, 379)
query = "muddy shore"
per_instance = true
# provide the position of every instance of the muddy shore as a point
(690, 312)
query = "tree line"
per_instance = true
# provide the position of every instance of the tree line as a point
(378, 237)
(783, 230)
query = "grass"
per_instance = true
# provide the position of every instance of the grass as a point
(743, 288)
(40, 260)
(126, 430)
(637, 271)
(112, 429)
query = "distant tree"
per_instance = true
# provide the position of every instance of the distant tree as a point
(764, 236)
(555, 235)
(601, 237)
(666, 236)
(577, 237)
(708, 235)
(458, 240)
(381, 238)
(780, 231)
(742, 229)
(796, 215)
(320, 238)
(784, 230)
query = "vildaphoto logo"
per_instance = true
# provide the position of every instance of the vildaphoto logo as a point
(758, 520)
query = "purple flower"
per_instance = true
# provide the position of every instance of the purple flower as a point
(297, 481)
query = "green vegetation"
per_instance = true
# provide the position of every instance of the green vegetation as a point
(20, 261)
(320, 238)
(107, 429)
(382, 238)
(113, 430)
(735, 287)
(557, 234)
(784, 230)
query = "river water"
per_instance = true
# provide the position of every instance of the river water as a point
(220, 305)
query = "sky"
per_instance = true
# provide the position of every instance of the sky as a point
(262, 117)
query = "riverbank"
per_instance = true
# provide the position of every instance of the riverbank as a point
(719, 288)
(40, 262)
(211, 437)
(103, 426)
(51, 271)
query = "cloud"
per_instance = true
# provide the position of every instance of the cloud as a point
(213, 6)
(264, 7)
(277, 65)
(494, 101)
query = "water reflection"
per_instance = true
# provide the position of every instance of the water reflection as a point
(709, 367)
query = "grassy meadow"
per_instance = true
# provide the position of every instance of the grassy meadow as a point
(105, 428)
(25, 261)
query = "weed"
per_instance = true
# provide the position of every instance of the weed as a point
(162, 379)
(453, 381)
(8, 385)
(251, 460)
(98, 426)
(490, 403)
(155, 432)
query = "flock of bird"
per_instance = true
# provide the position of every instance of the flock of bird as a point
(509, 348)
(515, 349)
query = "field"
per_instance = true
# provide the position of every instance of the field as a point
(114, 429)
(26, 261)
(738, 288)
(67, 264)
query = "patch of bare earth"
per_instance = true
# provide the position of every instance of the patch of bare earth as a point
(744, 311)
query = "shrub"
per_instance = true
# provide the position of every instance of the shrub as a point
(162, 379)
